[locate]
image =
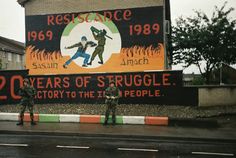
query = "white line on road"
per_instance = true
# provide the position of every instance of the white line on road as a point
(15, 145)
(209, 153)
(133, 149)
(73, 147)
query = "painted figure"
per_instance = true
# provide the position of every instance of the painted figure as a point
(100, 36)
(81, 51)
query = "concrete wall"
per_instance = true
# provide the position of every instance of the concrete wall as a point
(217, 95)
(40, 7)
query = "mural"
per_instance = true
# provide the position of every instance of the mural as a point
(122, 40)
(10, 83)
(161, 87)
(135, 87)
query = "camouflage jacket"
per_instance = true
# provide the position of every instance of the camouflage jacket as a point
(27, 92)
(112, 92)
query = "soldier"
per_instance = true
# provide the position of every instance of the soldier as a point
(27, 92)
(112, 95)
(81, 52)
(100, 37)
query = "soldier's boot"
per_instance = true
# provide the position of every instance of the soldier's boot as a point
(20, 123)
(106, 117)
(105, 122)
(32, 120)
(33, 123)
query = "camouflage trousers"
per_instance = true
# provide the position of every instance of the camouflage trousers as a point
(29, 104)
(111, 107)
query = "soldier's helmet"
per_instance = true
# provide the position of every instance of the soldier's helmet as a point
(26, 80)
(83, 38)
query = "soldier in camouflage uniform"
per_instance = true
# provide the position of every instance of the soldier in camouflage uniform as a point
(112, 95)
(27, 92)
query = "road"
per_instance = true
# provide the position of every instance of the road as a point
(40, 146)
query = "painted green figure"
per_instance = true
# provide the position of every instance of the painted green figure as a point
(27, 92)
(100, 37)
(112, 95)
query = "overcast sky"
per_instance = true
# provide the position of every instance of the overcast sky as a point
(12, 21)
(186, 8)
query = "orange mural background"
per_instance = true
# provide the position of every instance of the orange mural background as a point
(135, 58)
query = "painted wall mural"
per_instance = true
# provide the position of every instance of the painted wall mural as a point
(122, 40)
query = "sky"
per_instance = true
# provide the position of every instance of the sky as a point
(12, 20)
(186, 8)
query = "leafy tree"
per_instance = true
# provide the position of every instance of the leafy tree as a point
(198, 80)
(199, 38)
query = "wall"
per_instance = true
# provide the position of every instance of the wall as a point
(40, 7)
(169, 89)
(135, 38)
(217, 95)
(159, 88)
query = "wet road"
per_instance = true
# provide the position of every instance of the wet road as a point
(38, 146)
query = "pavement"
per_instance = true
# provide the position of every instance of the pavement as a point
(127, 126)
(60, 139)
(132, 136)
(126, 131)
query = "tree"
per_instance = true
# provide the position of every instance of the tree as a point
(199, 38)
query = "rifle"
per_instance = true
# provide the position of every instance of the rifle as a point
(93, 29)
(24, 93)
